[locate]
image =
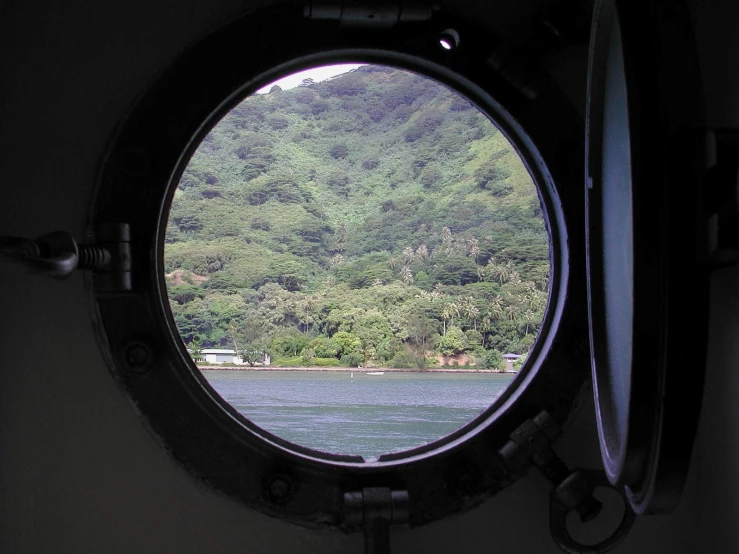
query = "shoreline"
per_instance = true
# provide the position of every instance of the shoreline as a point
(352, 369)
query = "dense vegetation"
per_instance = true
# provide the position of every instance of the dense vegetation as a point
(376, 218)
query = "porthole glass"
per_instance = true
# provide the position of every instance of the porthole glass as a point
(357, 259)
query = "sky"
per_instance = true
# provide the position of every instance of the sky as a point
(317, 74)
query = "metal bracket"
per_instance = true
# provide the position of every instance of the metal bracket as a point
(531, 444)
(376, 508)
(57, 255)
(379, 14)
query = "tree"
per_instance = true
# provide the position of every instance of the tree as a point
(420, 330)
(339, 151)
(185, 293)
(325, 347)
(454, 342)
(196, 351)
(253, 353)
(348, 343)
(288, 342)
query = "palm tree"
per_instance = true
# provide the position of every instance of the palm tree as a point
(392, 262)
(530, 319)
(408, 255)
(406, 275)
(446, 235)
(336, 260)
(486, 325)
(471, 311)
(448, 312)
(474, 247)
(504, 271)
(496, 307)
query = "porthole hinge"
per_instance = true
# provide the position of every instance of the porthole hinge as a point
(377, 15)
(531, 444)
(375, 509)
(57, 255)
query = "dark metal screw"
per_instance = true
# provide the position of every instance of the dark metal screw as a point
(138, 356)
(280, 489)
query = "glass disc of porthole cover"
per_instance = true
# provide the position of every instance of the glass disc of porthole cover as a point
(356, 259)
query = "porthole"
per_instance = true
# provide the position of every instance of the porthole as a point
(348, 223)
(206, 434)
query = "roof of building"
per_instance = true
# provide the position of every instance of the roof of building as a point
(505, 356)
(217, 351)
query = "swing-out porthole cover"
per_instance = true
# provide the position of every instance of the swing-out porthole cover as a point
(207, 435)
(646, 247)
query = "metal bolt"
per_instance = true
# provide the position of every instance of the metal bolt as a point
(279, 489)
(138, 356)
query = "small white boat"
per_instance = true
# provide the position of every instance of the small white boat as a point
(375, 373)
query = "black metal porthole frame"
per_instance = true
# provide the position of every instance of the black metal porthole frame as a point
(136, 328)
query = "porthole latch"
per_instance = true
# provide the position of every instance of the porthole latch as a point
(57, 255)
(375, 509)
(531, 444)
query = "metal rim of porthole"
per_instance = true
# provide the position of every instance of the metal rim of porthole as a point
(137, 332)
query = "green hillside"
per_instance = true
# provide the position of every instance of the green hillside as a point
(367, 219)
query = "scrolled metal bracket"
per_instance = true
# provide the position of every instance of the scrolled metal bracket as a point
(530, 444)
(573, 493)
(57, 255)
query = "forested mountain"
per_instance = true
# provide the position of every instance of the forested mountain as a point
(373, 218)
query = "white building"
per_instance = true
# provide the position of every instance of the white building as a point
(226, 356)
(220, 356)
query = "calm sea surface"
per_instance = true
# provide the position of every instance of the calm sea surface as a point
(367, 415)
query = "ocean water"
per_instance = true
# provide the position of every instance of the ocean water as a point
(366, 415)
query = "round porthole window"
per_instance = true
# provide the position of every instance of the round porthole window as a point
(353, 222)
(357, 278)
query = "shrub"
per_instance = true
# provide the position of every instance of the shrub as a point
(403, 359)
(326, 362)
(288, 362)
(353, 359)
(494, 360)
(307, 356)
(499, 188)
(324, 347)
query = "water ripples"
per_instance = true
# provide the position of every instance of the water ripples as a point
(366, 415)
